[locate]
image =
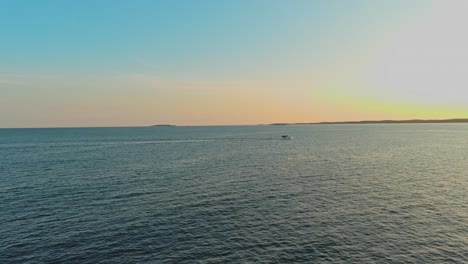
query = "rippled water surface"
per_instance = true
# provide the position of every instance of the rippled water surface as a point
(335, 193)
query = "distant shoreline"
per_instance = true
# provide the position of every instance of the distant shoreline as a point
(412, 121)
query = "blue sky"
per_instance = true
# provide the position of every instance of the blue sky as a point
(98, 63)
(174, 37)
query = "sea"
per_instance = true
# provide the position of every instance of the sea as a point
(376, 193)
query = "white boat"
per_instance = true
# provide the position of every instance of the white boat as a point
(286, 137)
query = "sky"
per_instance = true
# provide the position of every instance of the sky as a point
(67, 63)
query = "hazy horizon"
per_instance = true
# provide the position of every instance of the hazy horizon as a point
(430, 121)
(124, 63)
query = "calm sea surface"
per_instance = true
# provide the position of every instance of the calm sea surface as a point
(335, 193)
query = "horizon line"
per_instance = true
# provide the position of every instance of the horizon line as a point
(363, 122)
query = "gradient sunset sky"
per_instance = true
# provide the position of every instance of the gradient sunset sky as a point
(144, 62)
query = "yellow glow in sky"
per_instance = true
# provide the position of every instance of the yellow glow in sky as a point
(400, 67)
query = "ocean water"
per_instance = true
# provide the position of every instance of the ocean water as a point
(333, 194)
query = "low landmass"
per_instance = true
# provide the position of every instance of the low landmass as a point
(412, 121)
(163, 125)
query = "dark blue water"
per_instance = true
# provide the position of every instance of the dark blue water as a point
(335, 193)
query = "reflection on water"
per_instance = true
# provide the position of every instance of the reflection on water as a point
(336, 193)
